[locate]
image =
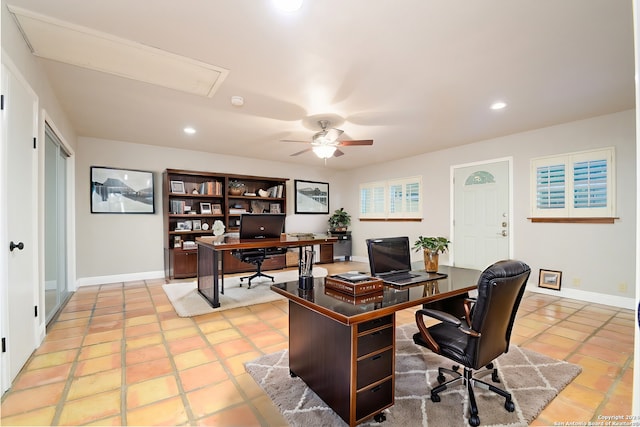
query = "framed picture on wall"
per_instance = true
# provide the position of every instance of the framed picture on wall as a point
(121, 191)
(550, 279)
(311, 197)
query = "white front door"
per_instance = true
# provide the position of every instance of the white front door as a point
(482, 216)
(19, 128)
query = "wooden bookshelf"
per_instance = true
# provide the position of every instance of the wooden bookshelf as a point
(193, 201)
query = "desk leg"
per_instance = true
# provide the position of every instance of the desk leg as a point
(208, 275)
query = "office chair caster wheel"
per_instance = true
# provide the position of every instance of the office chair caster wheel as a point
(435, 398)
(509, 406)
(474, 420)
(292, 374)
(490, 366)
(441, 379)
(380, 417)
(455, 367)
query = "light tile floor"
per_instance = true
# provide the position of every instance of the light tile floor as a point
(119, 355)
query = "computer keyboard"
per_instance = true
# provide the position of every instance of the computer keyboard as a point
(399, 277)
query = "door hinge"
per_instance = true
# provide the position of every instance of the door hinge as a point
(34, 142)
(35, 310)
(4, 345)
(1, 102)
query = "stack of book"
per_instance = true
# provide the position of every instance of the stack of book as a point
(356, 288)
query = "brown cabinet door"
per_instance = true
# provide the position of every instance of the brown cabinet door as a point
(326, 253)
(185, 263)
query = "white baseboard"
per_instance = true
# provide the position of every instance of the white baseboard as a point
(593, 297)
(117, 278)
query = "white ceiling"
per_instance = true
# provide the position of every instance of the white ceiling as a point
(413, 75)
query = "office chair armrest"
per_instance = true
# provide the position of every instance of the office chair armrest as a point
(439, 315)
(467, 309)
(426, 336)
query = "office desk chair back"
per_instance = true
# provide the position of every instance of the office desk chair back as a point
(259, 226)
(482, 336)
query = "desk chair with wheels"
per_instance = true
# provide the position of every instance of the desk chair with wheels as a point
(481, 336)
(256, 257)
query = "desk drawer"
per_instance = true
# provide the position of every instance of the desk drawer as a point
(375, 323)
(374, 368)
(375, 341)
(373, 400)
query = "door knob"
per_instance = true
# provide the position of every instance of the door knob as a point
(13, 246)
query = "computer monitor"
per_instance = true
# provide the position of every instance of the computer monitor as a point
(261, 226)
(389, 254)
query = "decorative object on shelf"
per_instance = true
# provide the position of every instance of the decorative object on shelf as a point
(263, 193)
(236, 188)
(550, 279)
(218, 228)
(431, 248)
(339, 221)
(205, 226)
(195, 191)
(197, 224)
(311, 197)
(217, 209)
(177, 187)
(205, 208)
(274, 208)
(121, 191)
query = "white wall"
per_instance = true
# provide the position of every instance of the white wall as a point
(126, 247)
(600, 256)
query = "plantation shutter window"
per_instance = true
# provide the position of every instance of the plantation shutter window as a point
(574, 185)
(399, 198)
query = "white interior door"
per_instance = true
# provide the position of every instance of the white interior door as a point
(482, 214)
(19, 125)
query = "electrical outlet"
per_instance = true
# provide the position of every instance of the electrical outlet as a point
(622, 287)
(577, 282)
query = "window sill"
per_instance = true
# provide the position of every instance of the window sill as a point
(599, 220)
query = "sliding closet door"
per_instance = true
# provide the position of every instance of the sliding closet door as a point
(55, 169)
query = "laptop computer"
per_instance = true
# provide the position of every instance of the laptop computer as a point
(390, 260)
(261, 226)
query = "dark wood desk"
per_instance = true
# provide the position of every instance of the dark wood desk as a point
(211, 267)
(345, 351)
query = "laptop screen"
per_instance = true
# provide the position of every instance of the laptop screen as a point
(389, 254)
(261, 226)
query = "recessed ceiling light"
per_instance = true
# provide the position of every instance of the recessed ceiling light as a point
(189, 130)
(499, 105)
(288, 5)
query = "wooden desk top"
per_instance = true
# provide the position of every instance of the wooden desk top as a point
(286, 240)
(344, 309)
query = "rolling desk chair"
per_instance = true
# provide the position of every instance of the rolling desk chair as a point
(256, 257)
(483, 338)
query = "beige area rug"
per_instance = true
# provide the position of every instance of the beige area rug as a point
(532, 378)
(187, 302)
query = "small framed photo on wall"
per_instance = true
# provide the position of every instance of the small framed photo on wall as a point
(550, 279)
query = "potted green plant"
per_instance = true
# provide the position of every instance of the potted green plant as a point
(431, 248)
(339, 220)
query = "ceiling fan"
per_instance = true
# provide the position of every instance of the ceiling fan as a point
(325, 143)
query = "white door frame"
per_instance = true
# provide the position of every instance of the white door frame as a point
(452, 170)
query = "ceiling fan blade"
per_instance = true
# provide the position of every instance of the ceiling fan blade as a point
(300, 152)
(338, 153)
(357, 142)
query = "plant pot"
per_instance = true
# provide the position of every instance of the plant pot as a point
(236, 191)
(430, 261)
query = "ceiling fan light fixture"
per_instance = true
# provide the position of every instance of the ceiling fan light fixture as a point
(324, 151)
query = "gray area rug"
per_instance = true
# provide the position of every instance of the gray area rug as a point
(187, 302)
(532, 378)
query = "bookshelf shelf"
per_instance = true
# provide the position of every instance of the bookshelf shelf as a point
(185, 212)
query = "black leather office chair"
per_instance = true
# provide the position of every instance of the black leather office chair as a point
(257, 257)
(478, 339)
